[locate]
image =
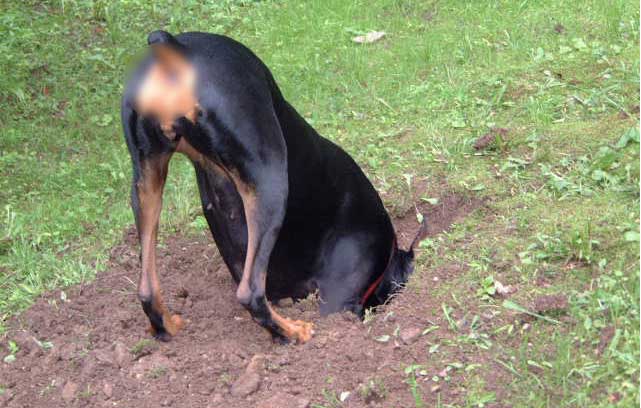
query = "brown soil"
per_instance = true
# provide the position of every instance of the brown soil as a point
(94, 350)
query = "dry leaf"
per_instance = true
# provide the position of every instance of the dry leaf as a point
(370, 37)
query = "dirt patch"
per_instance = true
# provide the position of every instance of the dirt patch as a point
(87, 345)
(550, 304)
(450, 208)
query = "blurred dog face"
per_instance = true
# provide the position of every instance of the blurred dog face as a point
(168, 90)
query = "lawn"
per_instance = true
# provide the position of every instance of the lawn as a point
(555, 85)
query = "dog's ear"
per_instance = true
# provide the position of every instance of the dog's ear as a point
(167, 50)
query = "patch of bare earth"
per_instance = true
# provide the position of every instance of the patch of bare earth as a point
(88, 346)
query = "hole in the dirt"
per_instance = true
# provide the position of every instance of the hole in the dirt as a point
(449, 208)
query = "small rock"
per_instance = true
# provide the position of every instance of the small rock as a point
(284, 400)
(121, 355)
(249, 381)
(503, 290)
(286, 302)
(108, 390)
(370, 37)
(410, 335)
(257, 363)
(435, 388)
(246, 384)
(69, 391)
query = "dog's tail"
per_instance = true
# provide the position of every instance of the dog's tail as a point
(399, 268)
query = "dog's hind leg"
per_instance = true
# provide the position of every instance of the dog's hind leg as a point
(258, 169)
(150, 159)
(148, 192)
(264, 211)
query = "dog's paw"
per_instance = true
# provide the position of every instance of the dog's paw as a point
(177, 324)
(302, 331)
(171, 327)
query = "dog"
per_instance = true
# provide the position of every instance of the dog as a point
(290, 211)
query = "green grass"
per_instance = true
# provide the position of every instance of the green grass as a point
(563, 184)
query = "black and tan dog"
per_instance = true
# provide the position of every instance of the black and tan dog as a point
(290, 211)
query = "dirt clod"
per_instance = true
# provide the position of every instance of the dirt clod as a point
(550, 304)
(249, 381)
(121, 355)
(487, 139)
(246, 384)
(69, 391)
(108, 390)
(606, 336)
(410, 335)
(257, 363)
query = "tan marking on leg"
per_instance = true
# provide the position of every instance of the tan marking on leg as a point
(149, 190)
(297, 330)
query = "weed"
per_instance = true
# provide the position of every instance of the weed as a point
(157, 372)
(87, 393)
(143, 347)
(410, 380)
(331, 400)
(13, 349)
(373, 390)
(225, 379)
